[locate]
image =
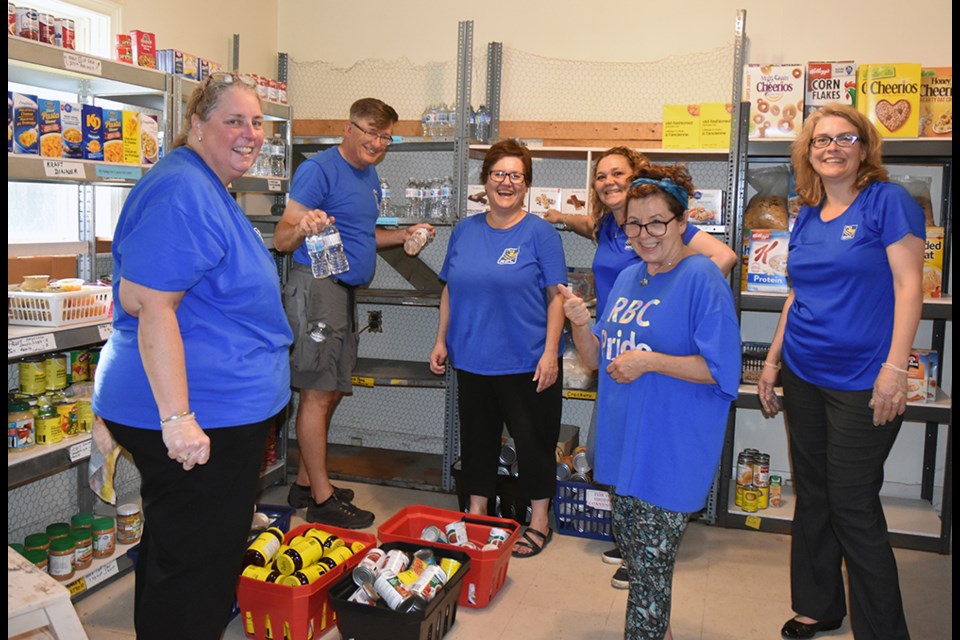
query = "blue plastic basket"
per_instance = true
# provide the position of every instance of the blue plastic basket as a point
(583, 510)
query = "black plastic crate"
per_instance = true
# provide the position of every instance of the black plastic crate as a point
(357, 621)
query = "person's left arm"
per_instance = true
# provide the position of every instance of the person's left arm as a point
(630, 365)
(387, 238)
(890, 387)
(548, 368)
(722, 255)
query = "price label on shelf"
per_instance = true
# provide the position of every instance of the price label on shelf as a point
(83, 64)
(753, 522)
(77, 587)
(61, 169)
(105, 330)
(18, 347)
(102, 573)
(81, 450)
(580, 395)
(274, 185)
(361, 381)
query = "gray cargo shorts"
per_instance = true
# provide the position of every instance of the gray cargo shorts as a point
(327, 365)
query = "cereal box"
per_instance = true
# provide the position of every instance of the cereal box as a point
(131, 138)
(889, 95)
(9, 122)
(191, 66)
(936, 102)
(26, 133)
(204, 66)
(544, 198)
(706, 210)
(112, 135)
(92, 132)
(681, 126)
(149, 138)
(922, 366)
(51, 136)
(476, 199)
(775, 94)
(715, 125)
(170, 61)
(71, 122)
(933, 263)
(767, 264)
(144, 46)
(573, 201)
(829, 82)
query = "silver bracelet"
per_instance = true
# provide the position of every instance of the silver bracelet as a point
(180, 417)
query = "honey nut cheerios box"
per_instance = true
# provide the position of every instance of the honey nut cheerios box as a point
(775, 94)
(936, 102)
(889, 95)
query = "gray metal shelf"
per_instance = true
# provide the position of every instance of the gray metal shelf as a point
(23, 341)
(377, 372)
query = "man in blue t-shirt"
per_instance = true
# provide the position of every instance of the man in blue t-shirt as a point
(338, 186)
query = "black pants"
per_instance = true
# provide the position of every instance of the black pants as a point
(486, 403)
(195, 530)
(838, 457)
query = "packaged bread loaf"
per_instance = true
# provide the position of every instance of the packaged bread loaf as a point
(767, 209)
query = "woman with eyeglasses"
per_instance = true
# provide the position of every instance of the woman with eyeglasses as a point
(842, 347)
(611, 176)
(667, 347)
(197, 366)
(500, 323)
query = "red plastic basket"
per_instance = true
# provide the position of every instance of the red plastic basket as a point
(277, 611)
(488, 569)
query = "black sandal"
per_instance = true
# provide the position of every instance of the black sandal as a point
(527, 541)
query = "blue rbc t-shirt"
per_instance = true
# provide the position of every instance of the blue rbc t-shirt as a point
(352, 196)
(496, 281)
(840, 325)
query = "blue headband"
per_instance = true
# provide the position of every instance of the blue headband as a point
(669, 186)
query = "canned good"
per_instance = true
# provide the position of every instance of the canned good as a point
(368, 569)
(761, 470)
(45, 28)
(430, 581)
(65, 33)
(508, 455)
(55, 367)
(580, 462)
(776, 499)
(28, 25)
(456, 532)
(432, 533)
(33, 376)
(744, 468)
(497, 537)
(47, 425)
(763, 497)
(12, 22)
(67, 410)
(20, 429)
(450, 566)
(739, 495)
(84, 415)
(750, 499)
(395, 562)
(564, 468)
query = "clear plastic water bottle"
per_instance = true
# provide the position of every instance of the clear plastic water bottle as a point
(434, 119)
(425, 121)
(483, 124)
(384, 198)
(472, 124)
(333, 254)
(446, 199)
(443, 120)
(318, 262)
(414, 198)
(416, 242)
(318, 331)
(278, 157)
(431, 201)
(452, 121)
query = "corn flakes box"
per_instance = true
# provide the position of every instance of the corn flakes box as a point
(112, 135)
(775, 94)
(889, 95)
(149, 138)
(933, 263)
(131, 138)
(71, 123)
(936, 102)
(574, 201)
(829, 82)
(92, 121)
(26, 131)
(767, 262)
(51, 136)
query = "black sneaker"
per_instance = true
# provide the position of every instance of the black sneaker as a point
(612, 556)
(338, 513)
(621, 579)
(300, 496)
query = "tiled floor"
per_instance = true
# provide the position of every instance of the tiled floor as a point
(728, 585)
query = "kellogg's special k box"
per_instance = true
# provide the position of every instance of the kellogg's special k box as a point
(889, 95)
(829, 82)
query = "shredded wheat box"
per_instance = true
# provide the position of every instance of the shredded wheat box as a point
(830, 82)
(573, 201)
(775, 94)
(936, 102)
(933, 263)
(681, 126)
(889, 95)
(767, 264)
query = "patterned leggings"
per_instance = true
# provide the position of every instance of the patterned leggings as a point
(648, 537)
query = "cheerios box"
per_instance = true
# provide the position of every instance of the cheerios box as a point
(113, 135)
(775, 94)
(936, 102)
(544, 198)
(767, 262)
(26, 132)
(92, 121)
(889, 95)
(51, 136)
(827, 82)
(574, 201)
(706, 210)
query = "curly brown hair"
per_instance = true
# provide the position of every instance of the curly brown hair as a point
(675, 173)
(808, 185)
(635, 159)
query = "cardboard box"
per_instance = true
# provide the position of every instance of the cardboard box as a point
(71, 120)
(569, 439)
(51, 131)
(834, 81)
(715, 125)
(775, 94)
(53, 266)
(542, 199)
(889, 95)
(574, 201)
(706, 210)
(92, 121)
(132, 153)
(922, 368)
(933, 263)
(476, 199)
(9, 121)
(144, 48)
(149, 138)
(936, 102)
(767, 264)
(681, 126)
(25, 130)
(112, 135)
(191, 66)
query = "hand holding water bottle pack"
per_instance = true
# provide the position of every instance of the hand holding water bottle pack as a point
(324, 245)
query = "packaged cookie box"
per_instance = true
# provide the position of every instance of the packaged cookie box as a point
(775, 94)
(706, 210)
(542, 199)
(936, 102)
(476, 199)
(573, 201)
(767, 263)
(922, 366)
(889, 95)
(827, 82)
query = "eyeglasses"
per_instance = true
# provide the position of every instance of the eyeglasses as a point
(227, 77)
(654, 229)
(384, 139)
(500, 176)
(842, 140)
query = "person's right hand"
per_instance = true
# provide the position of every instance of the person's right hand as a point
(438, 359)
(768, 398)
(313, 222)
(186, 443)
(574, 307)
(553, 216)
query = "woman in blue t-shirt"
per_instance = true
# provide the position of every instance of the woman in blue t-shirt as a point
(500, 324)
(844, 339)
(667, 347)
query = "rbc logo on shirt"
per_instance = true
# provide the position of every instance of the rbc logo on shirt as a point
(849, 231)
(509, 256)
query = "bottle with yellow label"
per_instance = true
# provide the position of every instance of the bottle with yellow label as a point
(263, 549)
